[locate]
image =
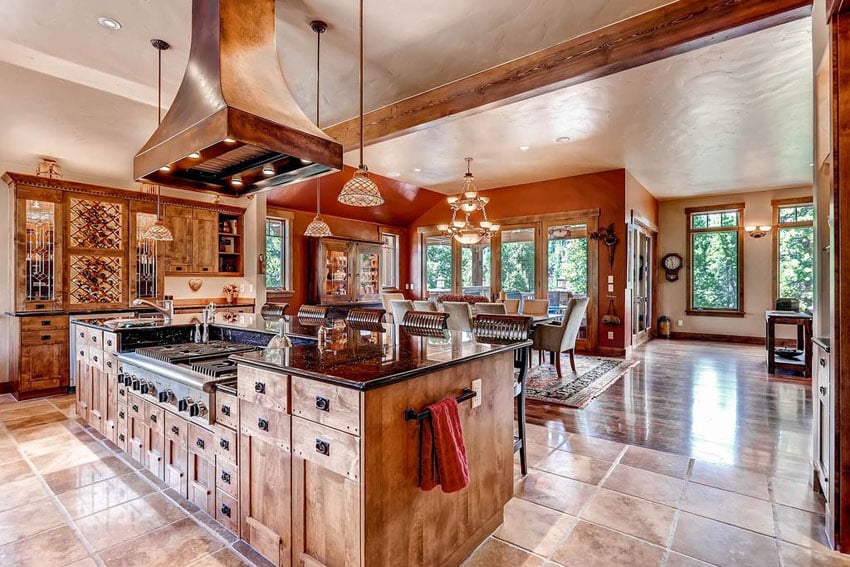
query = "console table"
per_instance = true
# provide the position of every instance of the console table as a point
(803, 322)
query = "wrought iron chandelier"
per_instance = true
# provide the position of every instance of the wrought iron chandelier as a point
(463, 205)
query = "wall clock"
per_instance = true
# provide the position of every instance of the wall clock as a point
(671, 263)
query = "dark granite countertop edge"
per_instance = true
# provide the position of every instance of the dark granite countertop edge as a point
(52, 313)
(378, 382)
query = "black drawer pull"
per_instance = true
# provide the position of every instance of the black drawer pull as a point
(153, 417)
(82, 335)
(45, 337)
(109, 342)
(822, 390)
(323, 404)
(135, 408)
(121, 391)
(260, 387)
(225, 509)
(82, 353)
(225, 410)
(94, 358)
(823, 362)
(200, 443)
(94, 339)
(121, 415)
(121, 437)
(45, 323)
(224, 444)
(225, 477)
(109, 364)
(175, 430)
(263, 424)
(323, 447)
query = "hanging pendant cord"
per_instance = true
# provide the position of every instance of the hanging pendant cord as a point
(159, 87)
(318, 106)
(361, 84)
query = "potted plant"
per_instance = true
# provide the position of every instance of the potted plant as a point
(231, 292)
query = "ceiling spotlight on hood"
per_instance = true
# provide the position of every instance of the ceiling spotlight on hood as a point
(109, 23)
(194, 155)
(236, 181)
(268, 169)
(360, 191)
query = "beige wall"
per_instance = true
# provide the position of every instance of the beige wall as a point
(758, 259)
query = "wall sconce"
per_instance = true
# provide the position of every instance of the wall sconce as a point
(757, 231)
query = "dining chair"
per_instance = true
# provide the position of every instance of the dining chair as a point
(425, 305)
(312, 312)
(511, 306)
(561, 337)
(399, 307)
(491, 309)
(365, 316)
(513, 328)
(460, 315)
(273, 310)
(425, 321)
(387, 298)
(535, 307)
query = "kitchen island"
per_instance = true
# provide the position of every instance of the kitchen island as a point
(307, 455)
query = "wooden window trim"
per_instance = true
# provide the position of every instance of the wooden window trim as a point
(689, 212)
(777, 204)
(286, 267)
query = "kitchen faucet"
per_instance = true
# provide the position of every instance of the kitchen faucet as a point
(167, 308)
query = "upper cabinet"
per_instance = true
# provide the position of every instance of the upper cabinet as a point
(80, 247)
(346, 272)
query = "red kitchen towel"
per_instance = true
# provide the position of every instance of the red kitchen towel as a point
(443, 452)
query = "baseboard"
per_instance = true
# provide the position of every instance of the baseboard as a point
(611, 351)
(736, 339)
(5, 388)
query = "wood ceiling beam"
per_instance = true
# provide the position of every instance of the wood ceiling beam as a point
(672, 29)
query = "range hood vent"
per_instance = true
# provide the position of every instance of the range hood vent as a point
(234, 110)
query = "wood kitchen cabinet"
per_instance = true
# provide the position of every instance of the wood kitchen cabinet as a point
(38, 362)
(345, 272)
(196, 248)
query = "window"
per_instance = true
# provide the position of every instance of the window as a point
(475, 268)
(389, 260)
(567, 258)
(716, 260)
(277, 254)
(518, 262)
(794, 250)
(438, 265)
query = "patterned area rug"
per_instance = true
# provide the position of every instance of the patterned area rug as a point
(594, 374)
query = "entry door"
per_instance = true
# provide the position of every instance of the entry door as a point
(642, 261)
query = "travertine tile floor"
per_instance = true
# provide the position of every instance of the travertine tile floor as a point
(67, 498)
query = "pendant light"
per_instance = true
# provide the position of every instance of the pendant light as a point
(360, 191)
(318, 228)
(158, 230)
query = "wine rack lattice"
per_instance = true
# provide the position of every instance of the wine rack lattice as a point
(96, 279)
(96, 225)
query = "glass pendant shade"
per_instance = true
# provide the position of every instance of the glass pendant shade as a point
(318, 228)
(469, 237)
(158, 231)
(360, 191)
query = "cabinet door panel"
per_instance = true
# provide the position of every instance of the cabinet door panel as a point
(178, 256)
(44, 366)
(201, 483)
(205, 241)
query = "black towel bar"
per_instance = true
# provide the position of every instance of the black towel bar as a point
(412, 415)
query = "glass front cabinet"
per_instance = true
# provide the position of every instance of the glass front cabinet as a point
(346, 272)
(39, 247)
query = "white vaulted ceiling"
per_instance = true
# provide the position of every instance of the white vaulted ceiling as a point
(701, 122)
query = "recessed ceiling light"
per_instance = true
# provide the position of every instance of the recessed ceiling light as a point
(236, 181)
(563, 139)
(393, 174)
(229, 140)
(165, 168)
(306, 161)
(524, 148)
(268, 169)
(195, 155)
(109, 23)
(417, 169)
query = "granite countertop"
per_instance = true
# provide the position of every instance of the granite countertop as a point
(366, 359)
(224, 319)
(45, 312)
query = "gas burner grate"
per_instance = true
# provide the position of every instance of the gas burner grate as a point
(186, 352)
(215, 368)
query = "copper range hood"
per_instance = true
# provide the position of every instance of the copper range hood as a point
(234, 127)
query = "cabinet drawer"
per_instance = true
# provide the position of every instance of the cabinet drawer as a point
(110, 366)
(227, 478)
(82, 353)
(136, 408)
(267, 389)
(122, 415)
(95, 358)
(121, 437)
(122, 391)
(227, 410)
(201, 442)
(80, 333)
(227, 511)
(264, 424)
(154, 416)
(110, 342)
(44, 323)
(176, 429)
(326, 404)
(226, 446)
(331, 449)
(46, 337)
(94, 337)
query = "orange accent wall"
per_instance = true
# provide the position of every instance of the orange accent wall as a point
(605, 191)
(343, 228)
(641, 201)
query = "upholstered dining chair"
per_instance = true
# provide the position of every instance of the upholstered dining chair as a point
(460, 315)
(558, 338)
(535, 307)
(490, 309)
(388, 297)
(399, 307)
(424, 305)
(511, 306)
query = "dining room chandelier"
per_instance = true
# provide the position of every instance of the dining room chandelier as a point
(464, 204)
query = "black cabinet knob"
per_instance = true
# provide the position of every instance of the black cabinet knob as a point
(225, 477)
(225, 509)
(153, 417)
(822, 390)
(263, 424)
(45, 337)
(200, 443)
(175, 430)
(323, 447)
(323, 404)
(121, 437)
(108, 364)
(121, 415)
(260, 387)
(135, 408)
(225, 410)
(224, 444)
(121, 391)
(822, 362)
(45, 323)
